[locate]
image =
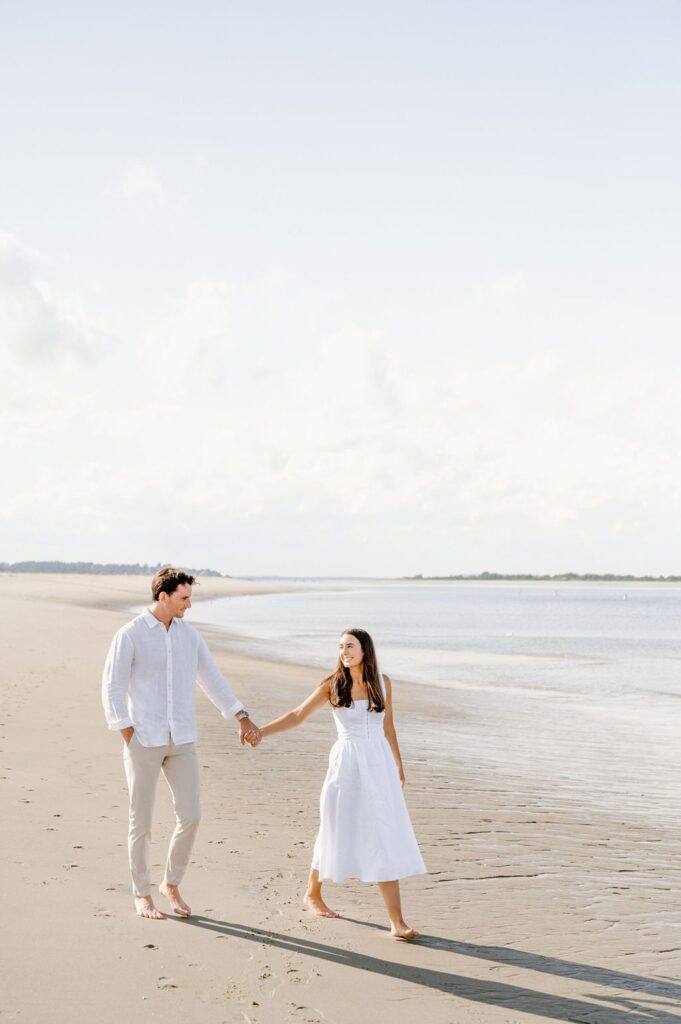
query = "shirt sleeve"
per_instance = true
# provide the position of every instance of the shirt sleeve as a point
(115, 679)
(214, 684)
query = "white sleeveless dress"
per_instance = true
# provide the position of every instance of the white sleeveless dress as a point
(365, 830)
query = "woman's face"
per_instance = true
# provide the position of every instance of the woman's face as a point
(350, 650)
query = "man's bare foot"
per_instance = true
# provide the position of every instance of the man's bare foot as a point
(144, 905)
(318, 907)
(177, 904)
(403, 932)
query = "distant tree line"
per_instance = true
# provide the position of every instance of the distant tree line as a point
(96, 568)
(586, 577)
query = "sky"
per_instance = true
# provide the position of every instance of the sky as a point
(341, 289)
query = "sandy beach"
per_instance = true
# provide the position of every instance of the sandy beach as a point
(551, 833)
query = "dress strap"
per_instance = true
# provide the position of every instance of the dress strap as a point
(382, 682)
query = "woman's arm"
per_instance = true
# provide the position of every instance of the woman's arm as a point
(389, 728)
(291, 719)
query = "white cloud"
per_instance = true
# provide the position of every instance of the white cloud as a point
(139, 180)
(189, 348)
(220, 418)
(503, 287)
(37, 321)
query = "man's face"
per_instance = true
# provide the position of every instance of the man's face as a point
(177, 603)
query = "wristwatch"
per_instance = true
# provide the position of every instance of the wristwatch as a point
(240, 715)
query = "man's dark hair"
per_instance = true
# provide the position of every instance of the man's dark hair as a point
(168, 579)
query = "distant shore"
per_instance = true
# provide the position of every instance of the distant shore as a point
(510, 581)
(115, 569)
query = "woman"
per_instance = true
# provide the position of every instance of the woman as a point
(365, 831)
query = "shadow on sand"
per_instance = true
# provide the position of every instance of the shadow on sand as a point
(652, 1004)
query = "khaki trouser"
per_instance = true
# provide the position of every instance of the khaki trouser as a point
(180, 766)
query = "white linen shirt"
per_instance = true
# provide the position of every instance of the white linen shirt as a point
(149, 681)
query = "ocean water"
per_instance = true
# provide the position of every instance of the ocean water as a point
(585, 641)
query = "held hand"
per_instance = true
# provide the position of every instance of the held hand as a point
(255, 737)
(127, 734)
(249, 733)
(401, 774)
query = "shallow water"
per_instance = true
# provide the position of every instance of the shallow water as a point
(589, 642)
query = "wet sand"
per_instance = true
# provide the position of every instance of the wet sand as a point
(551, 831)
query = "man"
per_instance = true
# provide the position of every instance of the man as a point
(149, 694)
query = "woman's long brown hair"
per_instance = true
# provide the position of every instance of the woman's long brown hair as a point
(340, 680)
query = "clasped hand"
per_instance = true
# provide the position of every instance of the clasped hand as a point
(249, 733)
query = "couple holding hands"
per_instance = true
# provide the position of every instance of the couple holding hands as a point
(149, 694)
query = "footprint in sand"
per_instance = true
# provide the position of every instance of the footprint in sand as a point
(166, 984)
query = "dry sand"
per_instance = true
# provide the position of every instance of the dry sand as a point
(551, 835)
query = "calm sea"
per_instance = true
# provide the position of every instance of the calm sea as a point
(592, 641)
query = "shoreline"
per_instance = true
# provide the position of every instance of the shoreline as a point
(540, 905)
(121, 593)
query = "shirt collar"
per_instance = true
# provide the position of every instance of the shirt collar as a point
(150, 619)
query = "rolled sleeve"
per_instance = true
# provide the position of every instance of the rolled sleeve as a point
(120, 723)
(115, 680)
(214, 684)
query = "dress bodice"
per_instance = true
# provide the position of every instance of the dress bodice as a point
(357, 722)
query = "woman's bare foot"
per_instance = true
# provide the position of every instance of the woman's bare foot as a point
(399, 929)
(177, 904)
(144, 905)
(316, 904)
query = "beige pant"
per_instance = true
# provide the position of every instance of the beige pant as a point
(180, 766)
